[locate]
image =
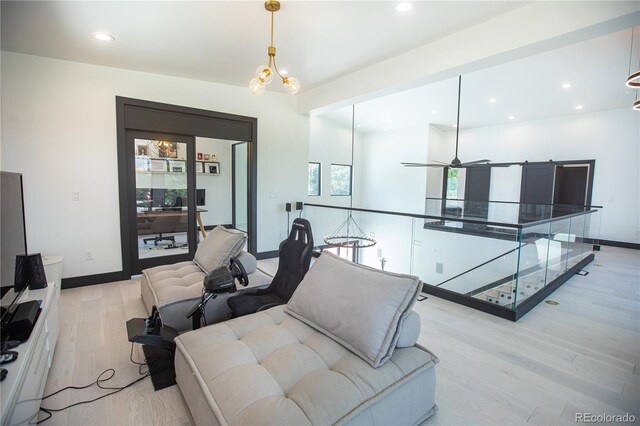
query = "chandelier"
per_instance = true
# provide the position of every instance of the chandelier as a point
(264, 73)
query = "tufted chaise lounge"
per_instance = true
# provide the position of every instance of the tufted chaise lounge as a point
(280, 366)
(175, 289)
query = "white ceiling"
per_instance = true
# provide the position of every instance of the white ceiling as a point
(225, 41)
(529, 89)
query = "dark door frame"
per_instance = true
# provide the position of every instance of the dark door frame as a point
(156, 117)
(590, 163)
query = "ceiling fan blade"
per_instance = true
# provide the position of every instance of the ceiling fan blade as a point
(423, 165)
(470, 163)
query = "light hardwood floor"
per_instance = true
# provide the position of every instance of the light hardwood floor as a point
(582, 355)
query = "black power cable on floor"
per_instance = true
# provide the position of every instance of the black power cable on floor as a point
(98, 382)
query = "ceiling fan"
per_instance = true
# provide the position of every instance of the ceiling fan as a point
(455, 163)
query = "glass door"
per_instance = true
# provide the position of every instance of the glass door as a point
(162, 195)
(240, 160)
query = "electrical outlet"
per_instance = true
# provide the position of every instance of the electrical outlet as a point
(89, 254)
(75, 196)
(439, 268)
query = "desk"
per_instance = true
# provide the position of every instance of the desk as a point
(150, 216)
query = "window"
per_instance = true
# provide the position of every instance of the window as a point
(313, 187)
(340, 179)
(452, 183)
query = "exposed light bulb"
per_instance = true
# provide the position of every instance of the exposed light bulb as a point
(257, 86)
(103, 36)
(291, 85)
(404, 6)
(264, 72)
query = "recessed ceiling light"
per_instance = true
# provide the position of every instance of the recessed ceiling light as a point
(103, 36)
(511, 117)
(578, 106)
(404, 6)
(433, 111)
(492, 100)
(566, 85)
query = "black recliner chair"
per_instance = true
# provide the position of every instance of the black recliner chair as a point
(295, 258)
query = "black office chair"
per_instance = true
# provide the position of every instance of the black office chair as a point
(295, 258)
(167, 224)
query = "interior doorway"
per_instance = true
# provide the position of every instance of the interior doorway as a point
(177, 179)
(555, 188)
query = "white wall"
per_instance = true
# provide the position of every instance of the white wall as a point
(59, 130)
(329, 142)
(612, 138)
(382, 182)
(217, 187)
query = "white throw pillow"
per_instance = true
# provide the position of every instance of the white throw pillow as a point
(219, 245)
(359, 307)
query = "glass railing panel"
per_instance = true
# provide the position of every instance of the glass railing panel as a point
(498, 264)
(591, 231)
(575, 241)
(324, 221)
(534, 260)
(558, 248)
(497, 212)
(393, 248)
(478, 265)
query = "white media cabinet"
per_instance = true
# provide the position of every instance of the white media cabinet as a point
(21, 390)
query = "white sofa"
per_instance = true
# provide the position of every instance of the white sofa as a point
(175, 289)
(325, 358)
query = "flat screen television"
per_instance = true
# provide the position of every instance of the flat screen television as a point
(13, 237)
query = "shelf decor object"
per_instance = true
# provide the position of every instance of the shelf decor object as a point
(264, 73)
(177, 166)
(158, 165)
(212, 168)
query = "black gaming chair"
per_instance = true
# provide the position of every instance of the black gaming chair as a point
(295, 257)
